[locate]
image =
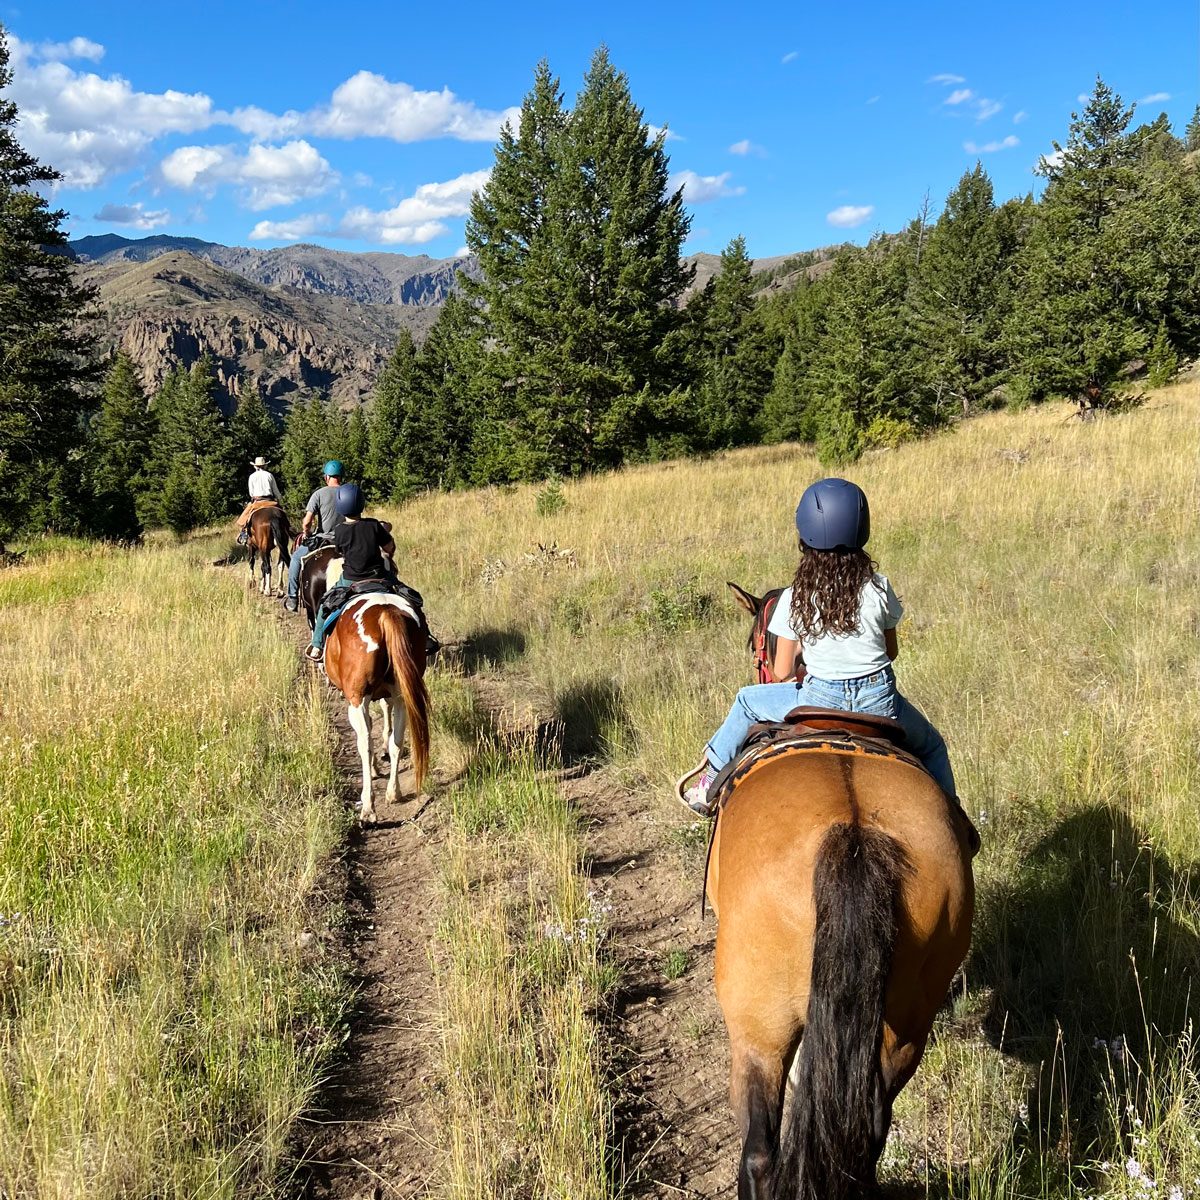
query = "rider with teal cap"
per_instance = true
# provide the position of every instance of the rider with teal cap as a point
(321, 517)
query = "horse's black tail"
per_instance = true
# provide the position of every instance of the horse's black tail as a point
(281, 532)
(833, 1133)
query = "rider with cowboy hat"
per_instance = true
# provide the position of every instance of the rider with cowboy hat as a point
(262, 487)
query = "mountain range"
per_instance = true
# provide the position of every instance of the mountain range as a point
(297, 319)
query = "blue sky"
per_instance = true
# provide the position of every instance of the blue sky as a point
(366, 126)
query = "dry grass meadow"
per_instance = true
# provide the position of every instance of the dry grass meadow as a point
(169, 797)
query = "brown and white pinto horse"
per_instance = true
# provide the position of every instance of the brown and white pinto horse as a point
(269, 530)
(376, 651)
(843, 886)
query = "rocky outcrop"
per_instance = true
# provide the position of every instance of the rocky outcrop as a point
(170, 310)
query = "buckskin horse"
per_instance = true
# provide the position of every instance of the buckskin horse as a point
(842, 882)
(269, 530)
(376, 651)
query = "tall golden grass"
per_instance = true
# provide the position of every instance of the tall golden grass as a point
(1049, 569)
(168, 808)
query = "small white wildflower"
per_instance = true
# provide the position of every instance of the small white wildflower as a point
(1133, 1168)
(1176, 1193)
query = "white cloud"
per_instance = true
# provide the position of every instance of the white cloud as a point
(291, 230)
(463, 252)
(699, 189)
(269, 175)
(987, 108)
(946, 79)
(848, 216)
(669, 135)
(1019, 117)
(133, 214)
(991, 147)
(1155, 98)
(417, 219)
(92, 127)
(1051, 162)
(77, 47)
(88, 126)
(959, 96)
(1083, 98)
(746, 147)
(790, 56)
(874, 99)
(368, 105)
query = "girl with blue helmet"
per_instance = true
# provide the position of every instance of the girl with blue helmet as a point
(838, 621)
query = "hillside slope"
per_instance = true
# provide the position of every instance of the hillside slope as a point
(170, 309)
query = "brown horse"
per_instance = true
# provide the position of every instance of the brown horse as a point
(844, 891)
(269, 530)
(762, 642)
(376, 651)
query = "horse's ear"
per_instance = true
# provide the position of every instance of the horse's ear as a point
(750, 603)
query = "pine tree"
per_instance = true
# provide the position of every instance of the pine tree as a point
(449, 436)
(252, 429)
(357, 446)
(958, 297)
(736, 356)
(1072, 327)
(192, 439)
(1162, 363)
(1192, 138)
(48, 364)
(791, 407)
(120, 448)
(578, 243)
(393, 400)
(306, 448)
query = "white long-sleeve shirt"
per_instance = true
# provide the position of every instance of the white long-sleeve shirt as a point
(262, 486)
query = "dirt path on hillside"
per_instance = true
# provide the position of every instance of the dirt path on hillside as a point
(372, 1133)
(673, 1117)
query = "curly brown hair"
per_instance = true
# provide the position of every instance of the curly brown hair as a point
(827, 590)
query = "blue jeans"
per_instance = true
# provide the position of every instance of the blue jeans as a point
(294, 572)
(871, 694)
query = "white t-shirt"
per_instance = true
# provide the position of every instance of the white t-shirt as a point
(262, 485)
(846, 655)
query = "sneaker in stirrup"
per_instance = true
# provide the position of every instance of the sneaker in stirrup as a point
(696, 796)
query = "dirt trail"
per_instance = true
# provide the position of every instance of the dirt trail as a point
(678, 1130)
(373, 1134)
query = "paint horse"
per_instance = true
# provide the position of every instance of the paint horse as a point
(842, 881)
(376, 652)
(269, 531)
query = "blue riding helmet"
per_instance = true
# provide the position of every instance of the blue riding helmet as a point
(833, 513)
(333, 467)
(349, 500)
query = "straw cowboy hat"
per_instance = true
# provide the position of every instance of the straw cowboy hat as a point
(259, 462)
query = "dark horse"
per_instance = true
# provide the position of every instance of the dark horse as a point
(761, 643)
(314, 580)
(269, 530)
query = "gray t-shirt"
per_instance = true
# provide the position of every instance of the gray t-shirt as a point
(323, 502)
(846, 655)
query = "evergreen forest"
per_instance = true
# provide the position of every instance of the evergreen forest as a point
(580, 344)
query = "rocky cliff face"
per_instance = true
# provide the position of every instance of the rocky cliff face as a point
(170, 310)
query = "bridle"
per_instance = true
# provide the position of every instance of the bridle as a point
(763, 643)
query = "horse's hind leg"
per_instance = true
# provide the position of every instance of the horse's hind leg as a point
(396, 730)
(360, 722)
(378, 765)
(756, 1083)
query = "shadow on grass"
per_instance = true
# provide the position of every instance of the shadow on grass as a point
(489, 648)
(1091, 979)
(593, 717)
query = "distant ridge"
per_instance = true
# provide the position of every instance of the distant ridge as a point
(298, 318)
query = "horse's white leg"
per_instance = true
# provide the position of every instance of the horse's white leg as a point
(385, 734)
(360, 722)
(399, 724)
